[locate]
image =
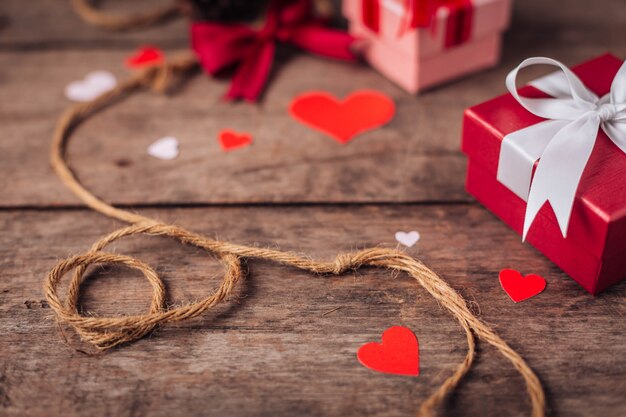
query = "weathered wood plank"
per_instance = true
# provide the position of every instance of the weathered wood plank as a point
(273, 351)
(52, 23)
(287, 162)
(415, 158)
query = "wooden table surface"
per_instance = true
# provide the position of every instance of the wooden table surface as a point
(274, 350)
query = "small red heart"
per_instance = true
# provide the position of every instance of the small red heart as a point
(521, 288)
(147, 55)
(397, 354)
(361, 111)
(230, 140)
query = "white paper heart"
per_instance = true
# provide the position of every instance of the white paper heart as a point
(165, 148)
(90, 87)
(408, 239)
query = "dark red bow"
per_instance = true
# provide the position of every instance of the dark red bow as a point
(223, 45)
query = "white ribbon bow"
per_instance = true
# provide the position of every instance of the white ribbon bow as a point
(563, 143)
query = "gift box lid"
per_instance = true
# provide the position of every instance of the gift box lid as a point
(487, 17)
(598, 221)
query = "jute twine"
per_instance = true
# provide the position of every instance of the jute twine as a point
(118, 22)
(107, 332)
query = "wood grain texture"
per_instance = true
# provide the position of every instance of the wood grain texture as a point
(52, 23)
(44, 24)
(413, 159)
(416, 158)
(287, 162)
(272, 351)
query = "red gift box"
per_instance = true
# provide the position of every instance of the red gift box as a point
(594, 252)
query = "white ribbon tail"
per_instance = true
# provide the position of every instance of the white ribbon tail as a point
(559, 170)
(520, 150)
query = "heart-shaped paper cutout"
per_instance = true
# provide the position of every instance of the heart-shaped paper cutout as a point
(521, 288)
(165, 148)
(360, 111)
(145, 56)
(408, 239)
(93, 85)
(397, 354)
(230, 140)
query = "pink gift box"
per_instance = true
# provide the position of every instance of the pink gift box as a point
(418, 58)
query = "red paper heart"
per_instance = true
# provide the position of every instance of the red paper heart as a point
(521, 288)
(229, 139)
(147, 55)
(397, 354)
(361, 111)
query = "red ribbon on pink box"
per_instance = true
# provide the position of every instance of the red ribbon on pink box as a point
(421, 43)
(421, 14)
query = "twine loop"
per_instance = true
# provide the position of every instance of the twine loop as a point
(107, 332)
(101, 332)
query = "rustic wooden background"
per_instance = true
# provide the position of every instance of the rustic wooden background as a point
(273, 351)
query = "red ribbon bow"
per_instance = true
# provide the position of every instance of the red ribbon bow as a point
(422, 13)
(219, 45)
